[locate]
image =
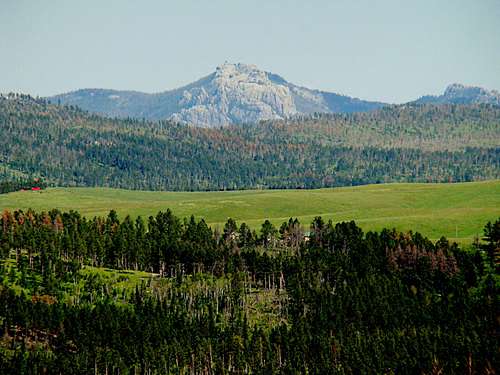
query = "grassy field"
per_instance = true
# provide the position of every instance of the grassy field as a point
(458, 211)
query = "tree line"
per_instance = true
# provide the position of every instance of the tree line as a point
(7, 186)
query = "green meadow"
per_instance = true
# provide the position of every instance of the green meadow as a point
(458, 211)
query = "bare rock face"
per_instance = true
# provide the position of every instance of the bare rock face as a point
(457, 93)
(236, 93)
(471, 94)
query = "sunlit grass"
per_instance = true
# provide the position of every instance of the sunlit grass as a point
(457, 211)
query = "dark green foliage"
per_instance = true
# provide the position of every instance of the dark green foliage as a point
(492, 238)
(400, 143)
(355, 303)
(7, 186)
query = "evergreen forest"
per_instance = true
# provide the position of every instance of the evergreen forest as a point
(165, 295)
(66, 146)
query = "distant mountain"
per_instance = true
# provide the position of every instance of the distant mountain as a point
(461, 94)
(233, 94)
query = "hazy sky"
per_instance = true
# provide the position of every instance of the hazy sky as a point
(393, 51)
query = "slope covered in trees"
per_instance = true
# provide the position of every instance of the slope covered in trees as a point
(237, 301)
(409, 143)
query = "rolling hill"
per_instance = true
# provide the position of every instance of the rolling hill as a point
(458, 211)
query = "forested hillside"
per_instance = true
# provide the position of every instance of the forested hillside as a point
(67, 147)
(78, 297)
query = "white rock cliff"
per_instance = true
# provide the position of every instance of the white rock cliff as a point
(237, 93)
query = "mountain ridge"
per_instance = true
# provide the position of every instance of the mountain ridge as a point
(243, 93)
(233, 94)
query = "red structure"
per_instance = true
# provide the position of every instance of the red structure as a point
(36, 188)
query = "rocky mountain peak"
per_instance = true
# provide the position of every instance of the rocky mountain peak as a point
(240, 74)
(236, 69)
(236, 93)
(457, 93)
(479, 94)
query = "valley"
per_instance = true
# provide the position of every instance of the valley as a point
(245, 188)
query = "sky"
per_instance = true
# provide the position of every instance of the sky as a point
(387, 50)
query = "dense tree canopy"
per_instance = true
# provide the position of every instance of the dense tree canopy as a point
(423, 143)
(336, 300)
